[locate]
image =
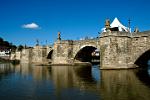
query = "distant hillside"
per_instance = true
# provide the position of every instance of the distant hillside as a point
(5, 45)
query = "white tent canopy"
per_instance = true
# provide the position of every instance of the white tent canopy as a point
(116, 23)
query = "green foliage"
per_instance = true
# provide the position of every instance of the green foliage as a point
(6, 45)
(20, 47)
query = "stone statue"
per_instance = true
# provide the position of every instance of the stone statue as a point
(107, 24)
(37, 42)
(59, 37)
(136, 30)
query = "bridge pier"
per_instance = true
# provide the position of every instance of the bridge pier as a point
(119, 50)
(63, 52)
(116, 51)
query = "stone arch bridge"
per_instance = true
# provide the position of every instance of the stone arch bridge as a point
(117, 50)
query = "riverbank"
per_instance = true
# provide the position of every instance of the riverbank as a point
(9, 61)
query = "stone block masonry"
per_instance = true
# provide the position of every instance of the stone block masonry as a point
(118, 50)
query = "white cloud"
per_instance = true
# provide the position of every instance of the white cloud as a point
(31, 26)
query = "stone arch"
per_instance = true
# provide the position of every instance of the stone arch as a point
(84, 54)
(81, 45)
(143, 58)
(50, 54)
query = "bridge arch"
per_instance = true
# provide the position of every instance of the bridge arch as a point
(50, 54)
(142, 60)
(86, 53)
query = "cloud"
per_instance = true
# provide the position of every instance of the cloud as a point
(31, 26)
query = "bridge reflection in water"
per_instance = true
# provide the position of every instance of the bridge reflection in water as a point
(27, 81)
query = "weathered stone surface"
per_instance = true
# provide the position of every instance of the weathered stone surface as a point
(26, 56)
(62, 52)
(121, 50)
(38, 54)
(117, 50)
(15, 56)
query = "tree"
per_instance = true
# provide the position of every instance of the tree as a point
(13, 48)
(6, 44)
(1, 39)
(20, 47)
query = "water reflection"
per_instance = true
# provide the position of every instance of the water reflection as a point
(149, 67)
(144, 76)
(73, 77)
(36, 72)
(74, 82)
(27, 81)
(6, 68)
(123, 84)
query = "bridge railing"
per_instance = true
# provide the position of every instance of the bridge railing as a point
(126, 34)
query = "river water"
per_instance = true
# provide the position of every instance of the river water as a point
(30, 82)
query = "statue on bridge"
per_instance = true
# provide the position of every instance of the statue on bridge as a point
(59, 36)
(37, 42)
(107, 24)
(136, 30)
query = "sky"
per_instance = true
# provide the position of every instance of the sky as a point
(25, 21)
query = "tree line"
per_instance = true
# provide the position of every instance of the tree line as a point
(5, 45)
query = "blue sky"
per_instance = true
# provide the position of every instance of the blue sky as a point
(24, 21)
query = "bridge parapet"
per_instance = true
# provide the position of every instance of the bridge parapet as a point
(115, 33)
(141, 34)
(126, 34)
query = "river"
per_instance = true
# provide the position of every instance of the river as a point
(30, 82)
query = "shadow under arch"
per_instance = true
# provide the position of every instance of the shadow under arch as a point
(87, 53)
(142, 61)
(144, 76)
(49, 56)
